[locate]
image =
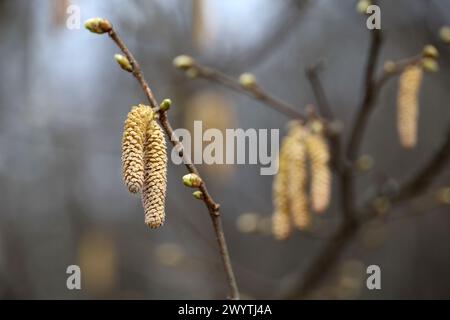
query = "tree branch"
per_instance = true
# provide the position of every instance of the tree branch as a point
(369, 97)
(316, 85)
(424, 177)
(256, 92)
(212, 206)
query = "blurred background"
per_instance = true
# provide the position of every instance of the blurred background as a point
(63, 101)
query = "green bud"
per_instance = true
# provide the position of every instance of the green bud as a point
(430, 65)
(192, 180)
(364, 163)
(192, 73)
(123, 62)
(247, 80)
(183, 62)
(430, 51)
(444, 33)
(165, 105)
(389, 66)
(98, 25)
(316, 127)
(198, 194)
(362, 6)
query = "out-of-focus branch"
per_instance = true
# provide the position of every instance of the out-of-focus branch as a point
(369, 97)
(332, 249)
(353, 219)
(254, 91)
(312, 73)
(333, 133)
(425, 175)
(212, 206)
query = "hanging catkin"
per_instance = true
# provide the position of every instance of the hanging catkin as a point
(319, 157)
(408, 105)
(133, 147)
(281, 223)
(155, 177)
(298, 179)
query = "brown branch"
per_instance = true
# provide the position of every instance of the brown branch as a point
(424, 177)
(212, 206)
(322, 264)
(369, 97)
(316, 85)
(256, 92)
(334, 134)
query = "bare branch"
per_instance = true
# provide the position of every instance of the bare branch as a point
(369, 97)
(212, 206)
(425, 176)
(256, 92)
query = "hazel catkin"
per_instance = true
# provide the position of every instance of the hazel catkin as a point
(408, 105)
(155, 176)
(298, 180)
(133, 147)
(281, 223)
(319, 156)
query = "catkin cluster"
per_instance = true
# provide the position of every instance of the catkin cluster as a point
(303, 181)
(408, 105)
(144, 162)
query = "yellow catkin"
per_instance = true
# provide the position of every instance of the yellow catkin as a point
(281, 224)
(408, 105)
(133, 147)
(319, 157)
(155, 177)
(298, 180)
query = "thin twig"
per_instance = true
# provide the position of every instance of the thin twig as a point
(333, 134)
(424, 177)
(256, 92)
(212, 206)
(319, 92)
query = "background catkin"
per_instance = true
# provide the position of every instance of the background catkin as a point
(319, 157)
(408, 105)
(298, 179)
(281, 224)
(133, 147)
(155, 177)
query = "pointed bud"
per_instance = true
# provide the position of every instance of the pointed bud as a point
(123, 62)
(198, 194)
(98, 25)
(247, 80)
(444, 33)
(430, 51)
(165, 105)
(192, 180)
(183, 62)
(430, 65)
